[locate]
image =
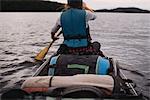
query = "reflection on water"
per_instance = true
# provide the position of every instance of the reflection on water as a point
(126, 37)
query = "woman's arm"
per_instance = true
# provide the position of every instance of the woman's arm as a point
(55, 29)
(86, 7)
(89, 12)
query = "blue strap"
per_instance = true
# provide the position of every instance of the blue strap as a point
(51, 71)
(53, 61)
(102, 66)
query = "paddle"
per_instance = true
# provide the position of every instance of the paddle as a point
(40, 56)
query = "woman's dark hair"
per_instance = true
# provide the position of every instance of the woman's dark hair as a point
(75, 3)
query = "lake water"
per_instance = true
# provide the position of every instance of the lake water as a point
(125, 37)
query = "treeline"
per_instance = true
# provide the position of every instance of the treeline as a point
(125, 10)
(49, 6)
(30, 6)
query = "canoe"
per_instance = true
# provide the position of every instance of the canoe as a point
(109, 87)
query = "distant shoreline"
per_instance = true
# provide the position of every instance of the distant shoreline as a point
(124, 10)
(48, 6)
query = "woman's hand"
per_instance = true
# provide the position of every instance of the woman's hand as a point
(87, 7)
(54, 37)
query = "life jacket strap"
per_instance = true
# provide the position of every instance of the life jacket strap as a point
(75, 37)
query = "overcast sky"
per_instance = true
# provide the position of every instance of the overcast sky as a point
(108, 4)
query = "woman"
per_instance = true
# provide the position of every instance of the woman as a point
(74, 23)
(75, 28)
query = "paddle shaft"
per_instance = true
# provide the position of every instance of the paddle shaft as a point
(40, 56)
(54, 40)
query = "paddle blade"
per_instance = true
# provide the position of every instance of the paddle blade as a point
(40, 56)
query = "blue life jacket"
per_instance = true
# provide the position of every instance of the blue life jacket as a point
(73, 22)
